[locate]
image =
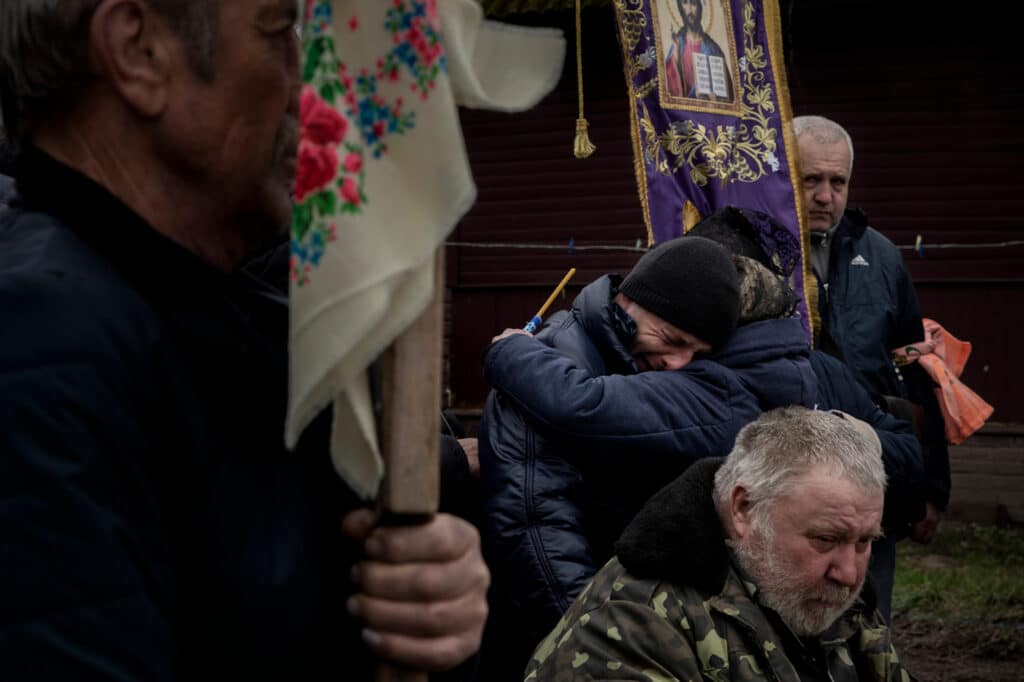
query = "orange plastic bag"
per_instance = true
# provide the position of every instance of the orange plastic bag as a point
(944, 356)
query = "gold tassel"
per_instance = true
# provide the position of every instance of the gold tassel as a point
(582, 147)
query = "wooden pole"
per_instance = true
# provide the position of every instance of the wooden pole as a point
(410, 428)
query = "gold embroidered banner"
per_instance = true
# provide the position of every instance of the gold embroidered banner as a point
(710, 114)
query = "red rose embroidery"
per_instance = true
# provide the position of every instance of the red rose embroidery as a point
(353, 162)
(350, 191)
(320, 122)
(317, 165)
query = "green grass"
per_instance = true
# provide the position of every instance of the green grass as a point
(969, 573)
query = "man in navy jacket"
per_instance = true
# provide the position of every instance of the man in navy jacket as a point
(868, 307)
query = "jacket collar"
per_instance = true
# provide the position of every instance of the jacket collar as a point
(102, 220)
(195, 293)
(606, 324)
(678, 537)
(853, 224)
(675, 528)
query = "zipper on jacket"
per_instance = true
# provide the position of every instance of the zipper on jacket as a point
(903, 391)
(533, 526)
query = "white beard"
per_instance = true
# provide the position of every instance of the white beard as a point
(784, 593)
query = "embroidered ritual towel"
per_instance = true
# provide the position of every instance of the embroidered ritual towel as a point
(382, 178)
(944, 356)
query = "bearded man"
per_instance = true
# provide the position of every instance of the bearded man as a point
(747, 568)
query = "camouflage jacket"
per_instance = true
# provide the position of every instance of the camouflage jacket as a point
(710, 627)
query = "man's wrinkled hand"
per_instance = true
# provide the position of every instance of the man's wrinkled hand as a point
(509, 332)
(923, 531)
(470, 446)
(421, 590)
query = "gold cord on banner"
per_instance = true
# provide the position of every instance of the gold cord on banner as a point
(582, 146)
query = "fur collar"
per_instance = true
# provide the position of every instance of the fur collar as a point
(853, 223)
(678, 535)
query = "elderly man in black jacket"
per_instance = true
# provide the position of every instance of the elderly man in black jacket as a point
(868, 307)
(153, 525)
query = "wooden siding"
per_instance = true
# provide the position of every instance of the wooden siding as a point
(937, 130)
(938, 133)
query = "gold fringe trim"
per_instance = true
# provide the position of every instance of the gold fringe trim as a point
(773, 29)
(634, 129)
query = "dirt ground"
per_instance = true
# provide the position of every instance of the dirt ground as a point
(947, 651)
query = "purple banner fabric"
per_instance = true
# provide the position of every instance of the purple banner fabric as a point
(711, 119)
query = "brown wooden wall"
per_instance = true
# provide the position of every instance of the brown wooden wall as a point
(937, 135)
(532, 190)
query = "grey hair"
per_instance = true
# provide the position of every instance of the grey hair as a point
(827, 130)
(44, 52)
(781, 446)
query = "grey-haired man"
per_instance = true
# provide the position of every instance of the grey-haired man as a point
(743, 569)
(153, 525)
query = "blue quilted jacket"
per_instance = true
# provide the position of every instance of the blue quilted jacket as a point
(573, 442)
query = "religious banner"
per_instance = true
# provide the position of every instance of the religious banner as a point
(382, 179)
(710, 116)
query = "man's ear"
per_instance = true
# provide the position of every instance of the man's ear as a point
(136, 51)
(740, 512)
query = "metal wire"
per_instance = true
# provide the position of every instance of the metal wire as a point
(641, 249)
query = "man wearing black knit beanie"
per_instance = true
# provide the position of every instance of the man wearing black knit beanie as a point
(559, 435)
(691, 284)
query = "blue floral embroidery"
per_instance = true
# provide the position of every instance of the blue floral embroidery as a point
(331, 175)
